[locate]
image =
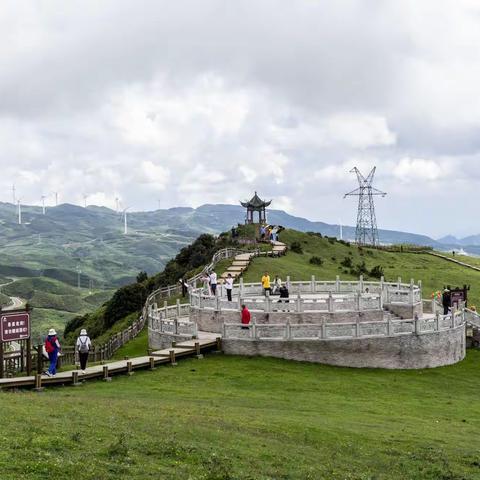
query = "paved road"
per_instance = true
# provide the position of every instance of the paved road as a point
(17, 302)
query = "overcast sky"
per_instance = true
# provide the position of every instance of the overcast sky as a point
(192, 102)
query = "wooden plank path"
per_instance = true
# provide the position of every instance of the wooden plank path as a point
(127, 366)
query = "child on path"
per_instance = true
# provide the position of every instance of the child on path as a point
(52, 347)
(229, 286)
(83, 346)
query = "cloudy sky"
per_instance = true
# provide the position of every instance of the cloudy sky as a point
(204, 101)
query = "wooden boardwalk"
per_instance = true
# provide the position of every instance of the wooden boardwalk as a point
(127, 366)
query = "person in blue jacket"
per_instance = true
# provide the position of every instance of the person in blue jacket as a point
(52, 347)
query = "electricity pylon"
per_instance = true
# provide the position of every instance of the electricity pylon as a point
(366, 232)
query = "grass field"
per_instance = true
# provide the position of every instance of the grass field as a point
(241, 418)
(434, 272)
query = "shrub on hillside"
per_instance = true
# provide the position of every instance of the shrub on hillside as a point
(316, 261)
(347, 262)
(296, 247)
(377, 271)
(141, 277)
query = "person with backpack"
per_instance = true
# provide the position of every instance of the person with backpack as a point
(52, 347)
(83, 346)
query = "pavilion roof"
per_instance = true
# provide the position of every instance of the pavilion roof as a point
(255, 202)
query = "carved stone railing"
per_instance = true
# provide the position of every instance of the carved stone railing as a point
(351, 330)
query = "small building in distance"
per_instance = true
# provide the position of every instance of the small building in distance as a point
(256, 204)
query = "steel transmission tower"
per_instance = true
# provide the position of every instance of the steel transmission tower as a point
(366, 232)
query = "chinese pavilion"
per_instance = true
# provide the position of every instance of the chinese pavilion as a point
(256, 205)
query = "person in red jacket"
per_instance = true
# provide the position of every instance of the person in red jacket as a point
(245, 317)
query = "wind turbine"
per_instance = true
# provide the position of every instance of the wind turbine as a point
(43, 204)
(341, 229)
(85, 196)
(117, 202)
(19, 211)
(56, 198)
(125, 225)
(13, 194)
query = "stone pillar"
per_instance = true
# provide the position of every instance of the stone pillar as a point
(337, 284)
(178, 306)
(330, 303)
(288, 332)
(358, 302)
(360, 283)
(288, 282)
(241, 286)
(313, 284)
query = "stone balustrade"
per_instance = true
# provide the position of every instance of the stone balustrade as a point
(348, 330)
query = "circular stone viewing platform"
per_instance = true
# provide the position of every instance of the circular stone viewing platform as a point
(347, 323)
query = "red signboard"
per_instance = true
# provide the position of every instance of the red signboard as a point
(14, 326)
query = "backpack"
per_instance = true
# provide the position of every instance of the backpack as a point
(50, 344)
(83, 345)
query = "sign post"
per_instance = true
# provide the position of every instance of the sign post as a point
(15, 326)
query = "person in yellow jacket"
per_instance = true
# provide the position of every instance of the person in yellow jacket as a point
(266, 283)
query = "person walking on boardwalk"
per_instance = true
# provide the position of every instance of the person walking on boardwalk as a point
(245, 317)
(213, 282)
(83, 347)
(266, 283)
(229, 286)
(52, 347)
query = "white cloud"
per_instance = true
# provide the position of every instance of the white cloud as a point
(419, 170)
(195, 103)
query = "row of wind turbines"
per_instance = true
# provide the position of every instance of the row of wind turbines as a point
(118, 205)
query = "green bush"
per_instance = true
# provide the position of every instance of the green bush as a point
(296, 247)
(316, 261)
(377, 271)
(347, 262)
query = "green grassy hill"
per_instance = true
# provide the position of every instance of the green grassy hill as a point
(336, 256)
(244, 418)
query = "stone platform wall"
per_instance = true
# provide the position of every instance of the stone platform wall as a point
(160, 340)
(398, 352)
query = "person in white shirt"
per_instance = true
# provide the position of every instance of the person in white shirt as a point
(229, 286)
(213, 282)
(83, 347)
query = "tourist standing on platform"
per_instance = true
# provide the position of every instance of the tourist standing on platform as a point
(262, 232)
(245, 316)
(284, 295)
(446, 301)
(83, 347)
(206, 283)
(277, 283)
(266, 283)
(213, 282)
(52, 347)
(229, 286)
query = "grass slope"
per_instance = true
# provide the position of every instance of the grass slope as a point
(434, 272)
(243, 418)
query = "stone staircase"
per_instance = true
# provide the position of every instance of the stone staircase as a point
(242, 261)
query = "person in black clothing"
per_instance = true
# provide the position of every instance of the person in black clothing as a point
(446, 299)
(184, 287)
(284, 296)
